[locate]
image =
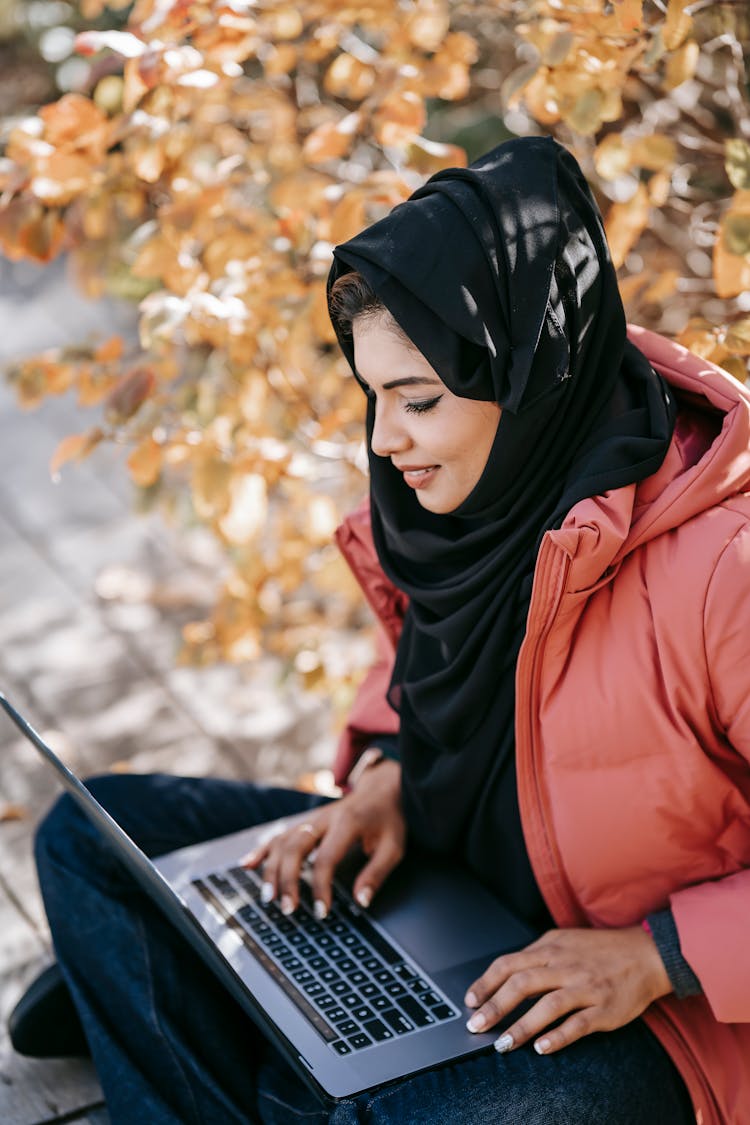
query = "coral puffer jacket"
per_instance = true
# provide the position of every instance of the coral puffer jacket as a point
(633, 716)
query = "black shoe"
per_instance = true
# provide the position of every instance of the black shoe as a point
(44, 1023)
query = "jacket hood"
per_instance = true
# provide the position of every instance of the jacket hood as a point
(708, 461)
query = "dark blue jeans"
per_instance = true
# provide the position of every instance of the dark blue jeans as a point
(172, 1048)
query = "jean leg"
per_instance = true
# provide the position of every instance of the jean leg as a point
(170, 1045)
(617, 1078)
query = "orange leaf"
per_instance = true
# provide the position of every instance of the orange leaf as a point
(145, 462)
(110, 350)
(400, 117)
(128, 395)
(10, 812)
(74, 447)
(681, 65)
(331, 140)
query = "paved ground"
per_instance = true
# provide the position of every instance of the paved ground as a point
(91, 600)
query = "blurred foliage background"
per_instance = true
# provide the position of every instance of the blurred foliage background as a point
(202, 157)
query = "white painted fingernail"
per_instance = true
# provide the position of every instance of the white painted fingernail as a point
(320, 910)
(504, 1043)
(542, 1046)
(287, 905)
(266, 892)
(249, 859)
(477, 1022)
(470, 1000)
(364, 897)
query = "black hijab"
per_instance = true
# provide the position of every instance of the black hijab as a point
(500, 274)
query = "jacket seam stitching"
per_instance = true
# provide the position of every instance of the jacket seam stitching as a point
(709, 587)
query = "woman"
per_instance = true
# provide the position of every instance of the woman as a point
(557, 548)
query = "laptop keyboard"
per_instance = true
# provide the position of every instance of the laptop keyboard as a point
(353, 986)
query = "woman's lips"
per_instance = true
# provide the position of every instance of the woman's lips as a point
(420, 478)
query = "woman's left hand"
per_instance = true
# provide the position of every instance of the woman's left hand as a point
(598, 979)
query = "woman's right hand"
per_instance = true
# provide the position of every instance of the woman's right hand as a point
(370, 815)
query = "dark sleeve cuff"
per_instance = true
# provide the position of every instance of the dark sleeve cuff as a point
(681, 976)
(388, 743)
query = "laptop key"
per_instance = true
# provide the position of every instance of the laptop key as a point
(339, 986)
(405, 972)
(362, 1012)
(336, 953)
(415, 1011)
(380, 1002)
(369, 989)
(395, 989)
(418, 985)
(306, 950)
(317, 963)
(341, 1048)
(348, 1027)
(302, 976)
(377, 1029)
(384, 977)
(443, 1012)
(373, 964)
(346, 965)
(329, 975)
(360, 1040)
(398, 1021)
(325, 1002)
(337, 1014)
(325, 941)
(349, 1000)
(314, 988)
(357, 977)
(359, 951)
(431, 999)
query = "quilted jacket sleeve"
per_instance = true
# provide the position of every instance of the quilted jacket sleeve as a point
(713, 919)
(371, 713)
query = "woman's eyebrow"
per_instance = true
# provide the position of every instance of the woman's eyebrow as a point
(410, 381)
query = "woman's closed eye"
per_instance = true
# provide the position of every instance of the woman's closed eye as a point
(420, 406)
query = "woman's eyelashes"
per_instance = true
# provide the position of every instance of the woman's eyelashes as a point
(420, 406)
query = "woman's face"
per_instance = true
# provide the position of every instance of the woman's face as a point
(438, 441)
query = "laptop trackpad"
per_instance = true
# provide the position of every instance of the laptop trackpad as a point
(444, 917)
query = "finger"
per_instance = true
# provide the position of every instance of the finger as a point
(500, 971)
(548, 1010)
(578, 1025)
(254, 857)
(387, 855)
(521, 986)
(332, 849)
(300, 841)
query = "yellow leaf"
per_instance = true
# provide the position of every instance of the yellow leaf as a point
(399, 118)
(737, 163)
(654, 152)
(681, 65)
(731, 257)
(677, 25)
(736, 367)
(349, 78)
(663, 287)
(145, 462)
(585, 114)
(331, 140)
(428, 24)
(248, 507)
(74, 447)
(612, 157)
(738, 336)
(625, 222)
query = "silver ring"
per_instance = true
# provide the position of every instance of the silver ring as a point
(307, 827)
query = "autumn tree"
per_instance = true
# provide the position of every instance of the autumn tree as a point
(221, 150)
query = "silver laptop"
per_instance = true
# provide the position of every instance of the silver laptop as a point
(355, 1001)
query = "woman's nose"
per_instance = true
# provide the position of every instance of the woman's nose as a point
(388, 436)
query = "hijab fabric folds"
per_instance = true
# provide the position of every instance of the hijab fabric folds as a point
(500, 274)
